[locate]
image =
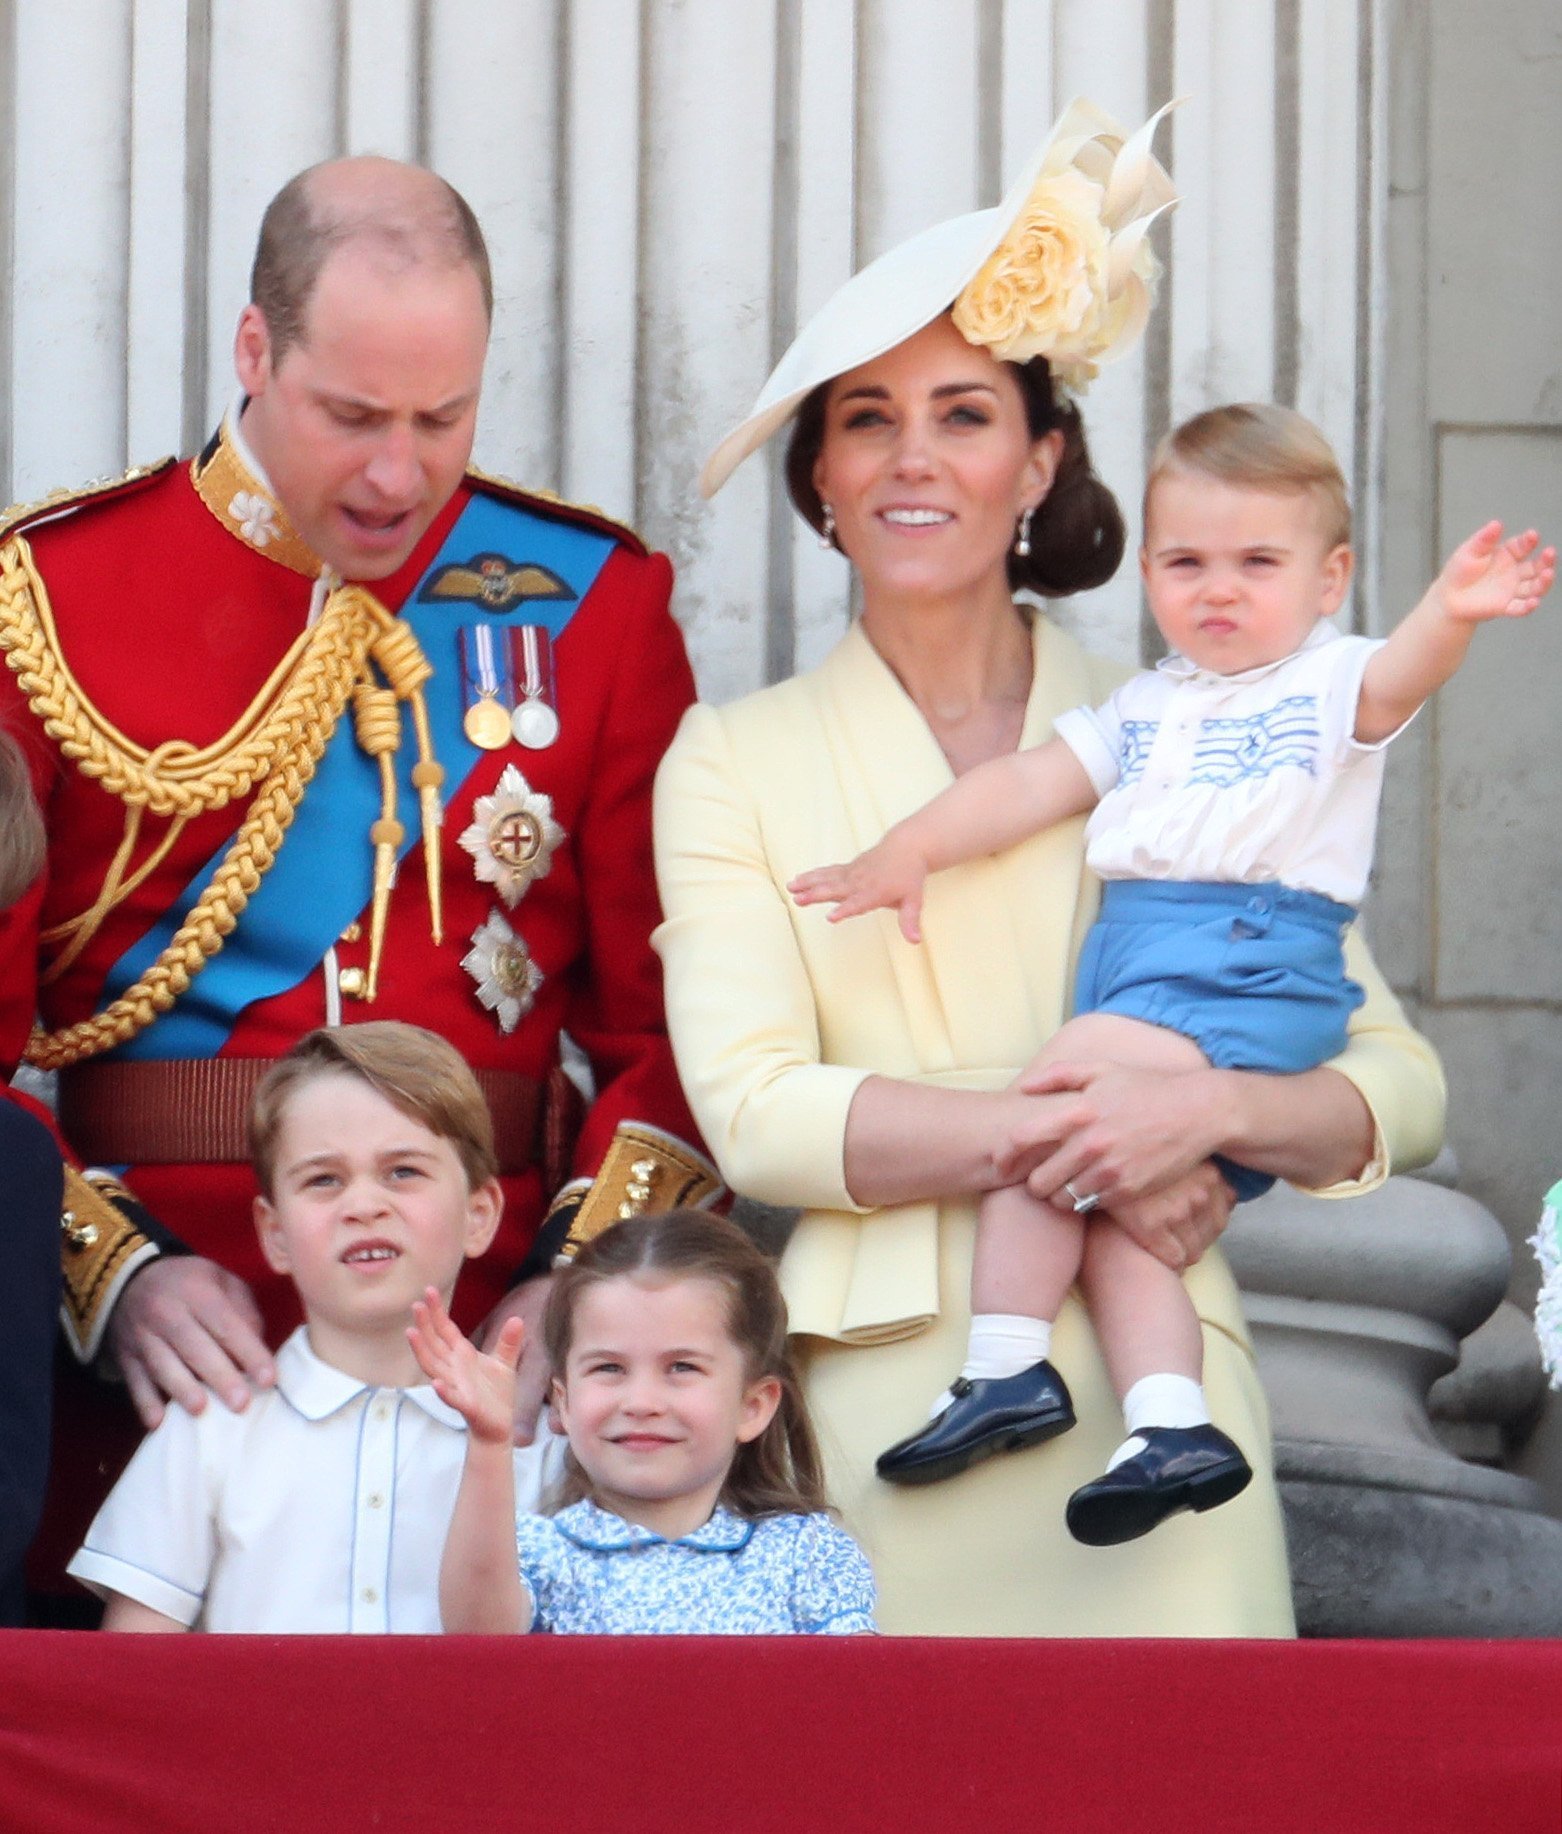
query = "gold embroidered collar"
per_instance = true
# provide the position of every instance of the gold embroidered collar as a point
(242, 502)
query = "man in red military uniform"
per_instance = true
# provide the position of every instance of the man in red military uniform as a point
(327, 726)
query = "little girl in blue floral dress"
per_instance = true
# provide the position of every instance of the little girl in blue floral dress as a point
(693, 1500)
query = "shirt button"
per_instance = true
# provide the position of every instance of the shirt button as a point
(382, 1410)
(376, 1501)
(369, 1596)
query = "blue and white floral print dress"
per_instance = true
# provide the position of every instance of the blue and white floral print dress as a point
(589, 1572)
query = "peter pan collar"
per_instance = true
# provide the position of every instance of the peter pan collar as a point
(230, 481)
(1179, 668)
(317, 1389)
(602, 1532)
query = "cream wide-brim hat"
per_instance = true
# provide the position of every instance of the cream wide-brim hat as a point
(896, 295)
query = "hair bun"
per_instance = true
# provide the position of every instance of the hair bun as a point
(1077, 534)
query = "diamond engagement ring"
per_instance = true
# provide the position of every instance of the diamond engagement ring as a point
(1084, 1204)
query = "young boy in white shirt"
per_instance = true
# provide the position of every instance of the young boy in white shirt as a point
(324, 1506)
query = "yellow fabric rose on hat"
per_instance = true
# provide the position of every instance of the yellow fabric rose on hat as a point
(1042, 289)
(1074, 276)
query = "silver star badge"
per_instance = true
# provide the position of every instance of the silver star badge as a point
(513, 836)
(507, 978)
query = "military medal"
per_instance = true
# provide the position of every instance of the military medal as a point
(507, 978)
(513, 836)
(486, 721)
(536, 723)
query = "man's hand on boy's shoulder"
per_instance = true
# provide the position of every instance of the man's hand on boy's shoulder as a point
(184, 1325)
(526, 1302)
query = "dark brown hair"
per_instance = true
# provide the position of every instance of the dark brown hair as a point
(1077, 534)
(416, 1071)
(22, 842)
(779, 1472)
(299, 233)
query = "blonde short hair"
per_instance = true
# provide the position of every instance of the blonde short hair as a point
(415, 1070)
(1258, 447)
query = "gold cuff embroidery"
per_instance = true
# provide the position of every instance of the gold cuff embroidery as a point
(645, 1170)
(99, 1248)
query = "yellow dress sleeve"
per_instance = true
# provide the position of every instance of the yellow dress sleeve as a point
(742, 1010)
(1398, 1074)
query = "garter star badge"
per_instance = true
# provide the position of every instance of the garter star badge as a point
(513, 836)
(507, 978)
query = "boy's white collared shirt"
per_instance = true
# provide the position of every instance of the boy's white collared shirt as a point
(1249, 778)
(322, 1508)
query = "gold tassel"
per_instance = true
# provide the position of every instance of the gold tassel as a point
(407, 669)
(377, 724)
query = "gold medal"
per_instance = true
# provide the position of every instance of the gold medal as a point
(485, 687)
(486, 723)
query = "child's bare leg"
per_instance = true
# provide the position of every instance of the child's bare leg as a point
(1143, 1316)
(1027, 1257)
(1008, 1395)
(1174, 1457)
(1028, 1253)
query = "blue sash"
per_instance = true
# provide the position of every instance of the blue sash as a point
(323, 875)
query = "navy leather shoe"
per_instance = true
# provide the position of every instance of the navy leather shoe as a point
(989, 1414)
(1181, 1467)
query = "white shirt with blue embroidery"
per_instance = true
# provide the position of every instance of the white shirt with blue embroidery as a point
(590, 1572)
(1236, 779)
(322, 1507)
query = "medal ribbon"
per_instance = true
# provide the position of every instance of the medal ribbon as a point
(323, 876)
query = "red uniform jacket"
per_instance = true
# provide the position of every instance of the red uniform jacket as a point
(174, 597)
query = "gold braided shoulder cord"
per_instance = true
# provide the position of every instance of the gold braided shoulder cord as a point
(279, 738)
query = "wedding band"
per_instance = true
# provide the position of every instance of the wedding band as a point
(1082, 1205)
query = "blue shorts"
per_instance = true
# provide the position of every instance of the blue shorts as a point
(1253, 974)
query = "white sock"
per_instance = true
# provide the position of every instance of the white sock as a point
(1000, 1344)
(1159, 1400)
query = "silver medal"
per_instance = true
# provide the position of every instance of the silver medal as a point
(535, 725)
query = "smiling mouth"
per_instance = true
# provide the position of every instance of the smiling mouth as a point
(916, 518)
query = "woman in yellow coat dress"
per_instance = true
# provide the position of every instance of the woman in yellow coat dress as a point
(866, 1080)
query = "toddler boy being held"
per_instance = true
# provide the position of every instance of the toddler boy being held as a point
(324, 1505)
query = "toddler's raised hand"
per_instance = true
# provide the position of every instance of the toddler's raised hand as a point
(479, 1386)
(1487, 577)
(886, 877)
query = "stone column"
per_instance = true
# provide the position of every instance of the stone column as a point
(1357, 1309)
